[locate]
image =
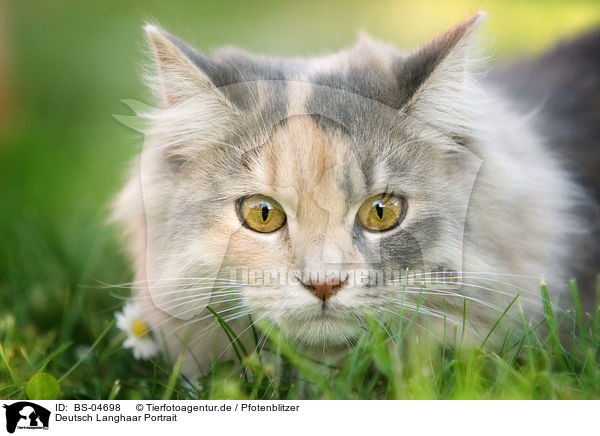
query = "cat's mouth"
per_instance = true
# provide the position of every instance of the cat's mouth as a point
(319, 331)
(326, 314)
(326, 326)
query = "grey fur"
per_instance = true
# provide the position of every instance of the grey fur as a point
(484, 195)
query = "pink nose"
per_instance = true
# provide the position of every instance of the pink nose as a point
(324, 290)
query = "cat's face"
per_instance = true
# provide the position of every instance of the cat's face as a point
(323, 227)
(305, 221)
(301, 199)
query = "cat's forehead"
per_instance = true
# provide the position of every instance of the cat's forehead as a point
(369, 69)
(309, 143)
(303, 164)
(313, 141)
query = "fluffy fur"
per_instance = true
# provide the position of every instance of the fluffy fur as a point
(487, 199)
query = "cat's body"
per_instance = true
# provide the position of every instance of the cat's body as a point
(562, 89)
(478, 192)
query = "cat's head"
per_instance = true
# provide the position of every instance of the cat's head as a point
(301, 190)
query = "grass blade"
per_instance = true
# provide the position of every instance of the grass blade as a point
(173, 378)
(6, 364)
(88, 352)
(499, 320)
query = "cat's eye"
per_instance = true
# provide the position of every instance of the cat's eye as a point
(261, 214)
(381, 212)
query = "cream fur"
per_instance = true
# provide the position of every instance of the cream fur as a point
(505, 217)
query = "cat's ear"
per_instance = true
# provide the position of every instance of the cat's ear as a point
(182, 72)
(435, 76)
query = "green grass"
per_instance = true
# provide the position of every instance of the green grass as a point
(67, 65)
(558, 358)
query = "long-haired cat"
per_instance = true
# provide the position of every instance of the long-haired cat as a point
(315, 192)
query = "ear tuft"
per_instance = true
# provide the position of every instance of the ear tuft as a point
(437, 76)
(178, 76)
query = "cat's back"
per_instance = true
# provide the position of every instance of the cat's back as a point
(563, 86)
(561, 91)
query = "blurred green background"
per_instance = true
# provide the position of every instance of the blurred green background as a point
(65, 66)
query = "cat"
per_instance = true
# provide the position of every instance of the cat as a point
(314, 192)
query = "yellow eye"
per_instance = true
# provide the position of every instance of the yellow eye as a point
(381, 212)
(261, 214)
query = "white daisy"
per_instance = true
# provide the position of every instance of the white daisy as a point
(139, 336)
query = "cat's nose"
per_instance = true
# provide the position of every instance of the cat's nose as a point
(324, 290)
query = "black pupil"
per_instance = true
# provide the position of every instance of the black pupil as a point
(378, 209)
(265, 212)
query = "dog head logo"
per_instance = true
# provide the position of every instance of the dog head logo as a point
(26, 415)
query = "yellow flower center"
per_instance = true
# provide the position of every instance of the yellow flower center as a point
(140, 328)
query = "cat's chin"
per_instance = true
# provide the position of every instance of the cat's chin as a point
(321, 331)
